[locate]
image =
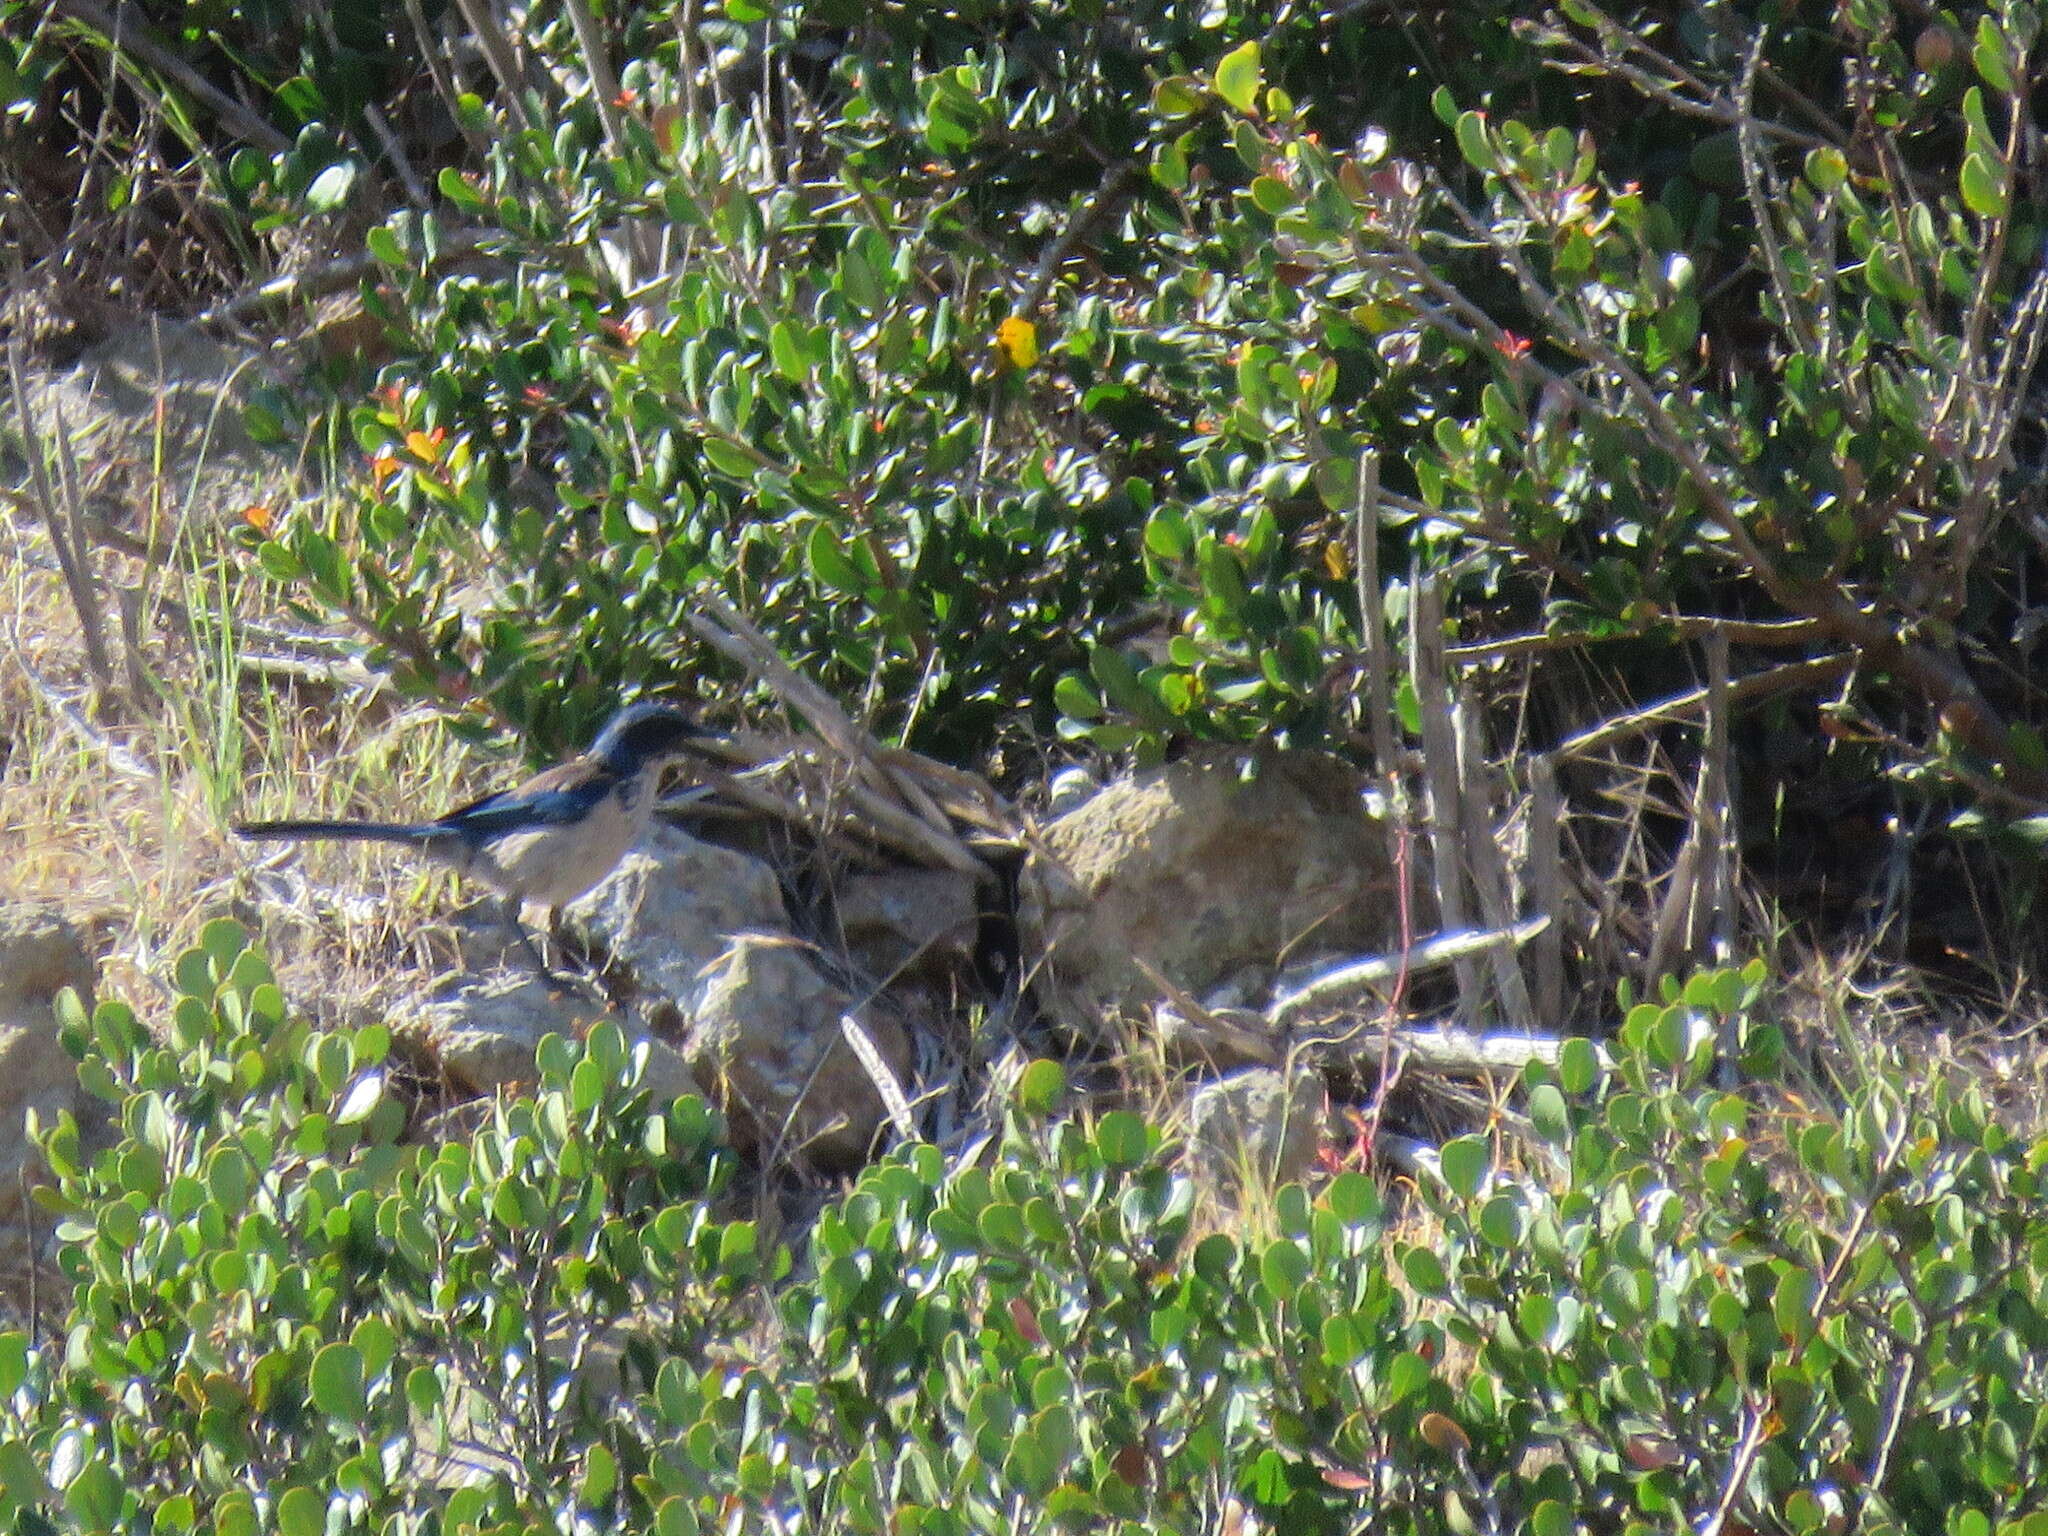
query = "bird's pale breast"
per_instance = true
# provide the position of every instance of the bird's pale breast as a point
(550, 866)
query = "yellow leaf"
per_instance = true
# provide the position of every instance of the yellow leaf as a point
(1443, 1434)
(1017, 340)
(425, 445)
(1337, 559)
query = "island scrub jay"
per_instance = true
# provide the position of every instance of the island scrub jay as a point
(552, 838)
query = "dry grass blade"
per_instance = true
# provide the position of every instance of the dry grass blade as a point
(886, 1087)
(62, 522)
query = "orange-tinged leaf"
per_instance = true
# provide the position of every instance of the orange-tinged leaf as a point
(1344, 1478)
(1442, 1433)
(425, 445)
(668, 128)
(1017, 340)
(258, 516)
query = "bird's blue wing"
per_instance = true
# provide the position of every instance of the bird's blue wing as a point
(559, 797)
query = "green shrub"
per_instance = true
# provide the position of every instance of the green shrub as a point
(795, 341)
(1017, 364)
(1720, 367)
(281, 1310)
(285, 1315)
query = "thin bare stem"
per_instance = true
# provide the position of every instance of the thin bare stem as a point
(1372, 618)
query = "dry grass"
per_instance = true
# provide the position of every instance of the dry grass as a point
(121, 818)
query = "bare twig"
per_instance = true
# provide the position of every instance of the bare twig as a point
(128, 34)
(1342, 984)
(1440, 770)
(1483, 862)
(1465, 1052)
(887, 1089)
(432, 50)
(735, 636)
(874, 787)
(1681, 913)
(1766, 632)
(1755, 169)
(333, 277)
(1704, 101)
(1716, 813)
(1935, 673)
(1372, 619)
(1787, 678)
(1546, 884)
(1116, 184)
(498, 54)
(604, 83)
(118, 757)
(61, 521)
(1756, 1417)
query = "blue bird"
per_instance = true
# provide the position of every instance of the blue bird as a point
(552, 838)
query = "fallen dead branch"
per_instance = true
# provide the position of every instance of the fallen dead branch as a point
(1793, 675)
(1343, 984)
(900, 799)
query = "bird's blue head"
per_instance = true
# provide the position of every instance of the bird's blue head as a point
(644, 733)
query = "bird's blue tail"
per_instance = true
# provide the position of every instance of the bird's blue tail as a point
(354, 831)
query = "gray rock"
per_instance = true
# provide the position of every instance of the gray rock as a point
(1255, 1129)
(483, 1034)
(40, 955)
(1203, 868)
(670, 909)
(908, 921)
(697, 935)
(765, 1040)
